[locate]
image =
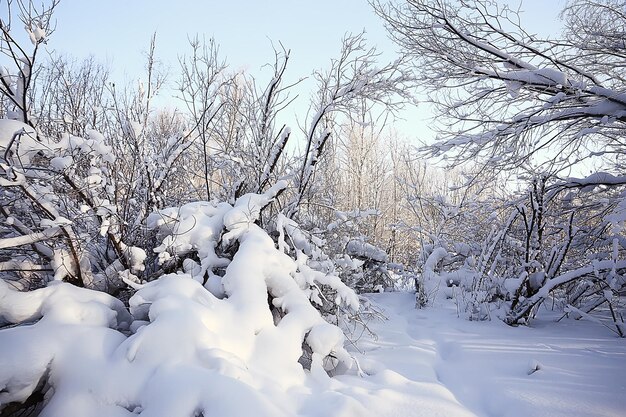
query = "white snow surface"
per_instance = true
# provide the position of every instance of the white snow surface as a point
(456, 367)
(185, 356)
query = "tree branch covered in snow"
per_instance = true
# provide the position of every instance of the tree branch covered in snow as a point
(16, 83)
(507, 97)
(510, 102)
(353, 79)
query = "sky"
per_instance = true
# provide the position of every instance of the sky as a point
(118, 32)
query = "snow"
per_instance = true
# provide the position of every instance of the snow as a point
(21, 139)
(202, 224)
(30, 238)
(596, 179)
(183, 356)
(484, 368)
(36, 35)
(19, 307)
(39, 33)
(363, 249)
(61, 163)
(539, 76)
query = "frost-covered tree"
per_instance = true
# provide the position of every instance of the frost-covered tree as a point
(510, 97)
(101, 191)
(546, 108)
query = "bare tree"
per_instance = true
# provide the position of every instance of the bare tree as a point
(70, 96)
(352, 81)
(203, 76)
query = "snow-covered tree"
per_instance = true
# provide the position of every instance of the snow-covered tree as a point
(545, 109)
(508, 97)
(16, 80)
(59, 220)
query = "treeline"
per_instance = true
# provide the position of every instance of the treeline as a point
(506, 219)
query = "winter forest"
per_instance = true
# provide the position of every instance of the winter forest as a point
(181, 245)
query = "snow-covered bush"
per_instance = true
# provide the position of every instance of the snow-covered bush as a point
(456, 246)
(181, 350)
(239, 313)
(359, 262)
(59, 218)
(223, 248)
(557, 242)
(59, 213)
(571, 245)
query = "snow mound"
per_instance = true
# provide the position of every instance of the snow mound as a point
(187, 350)
(192, 346)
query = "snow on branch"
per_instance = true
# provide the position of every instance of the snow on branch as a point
(353, 80)
(506, 97)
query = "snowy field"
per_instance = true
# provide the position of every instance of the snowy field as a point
(425, 362)
(435, 364)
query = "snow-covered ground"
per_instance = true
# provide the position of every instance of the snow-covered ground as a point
(432, 363)
(189, 361)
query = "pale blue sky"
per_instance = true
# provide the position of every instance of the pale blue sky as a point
(118, 32)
